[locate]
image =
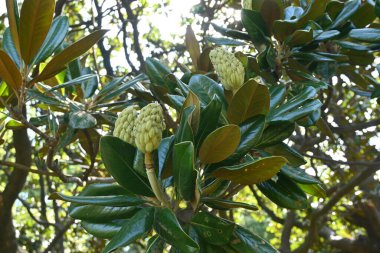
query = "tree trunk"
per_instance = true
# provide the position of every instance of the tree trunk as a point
(17, 179)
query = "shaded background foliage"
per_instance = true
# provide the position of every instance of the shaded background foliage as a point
(350, 224)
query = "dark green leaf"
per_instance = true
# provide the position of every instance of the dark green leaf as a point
(284, 192)
(276, 133)
(223, 204)
(255, 26)
(350, 7)
(314, 10)
(158, 73)
(169, 229)
(236, 34)
(101, 213)
(212, 229)
(81, 120)
(277, 96)
(116, 201)
(252, 172)
(101, 230)
(299, 175)
(248, 242)
(164, 152)
(184, 131)
(300, 37)
(225, 41)
(53, 40)
(118, 157)
(281, 149)
(365, 34)
(205, 88)
(251, 132)
(136, 227)
(59, 61)
(183, 169)
(208, 120)
(9, 47)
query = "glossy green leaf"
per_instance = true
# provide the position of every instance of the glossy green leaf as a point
(183, 169)
(283, 28)
(350, 7)
(59, 61)
(299, 175)
(94, 213)
(118, 157)
(164, 152)
(208, 121)
(300, 37)
(184, 131)
(81, 120)
(223, 204)
(310, 57)
(277, 96)
(255, 26)
(248, 242)
(205, 88)
(313, 189)
(121, 200)
(284, 192)
(101, 230)
(72, 82)
(225, 41)
(212, 229)
(292, 155)
(325, 35)
(252, 172)
(236, 34)
(155, 245)
(169, 229)
(136, 227)
(57, 33)
(14, 22)
(365, 34)
(276, 133)
(352, 46)
(220, 144)
(35, 20)
(9, 72)
(10, 48)
(314, 10)
(157, 72)
(251, 132)
(250, 100)
(103, 190)
(291, 116)
(90, 85)
(293, 103)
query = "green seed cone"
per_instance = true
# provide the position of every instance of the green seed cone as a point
(148, 128)
(229, 69)
(125, 124)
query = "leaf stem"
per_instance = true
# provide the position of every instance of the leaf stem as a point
(156, 187)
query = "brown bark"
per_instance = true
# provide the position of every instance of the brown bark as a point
(17, 179)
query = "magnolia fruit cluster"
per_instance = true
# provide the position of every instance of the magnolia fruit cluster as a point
(144, 130)
(229, 69)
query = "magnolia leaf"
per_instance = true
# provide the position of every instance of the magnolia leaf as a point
(220, 144)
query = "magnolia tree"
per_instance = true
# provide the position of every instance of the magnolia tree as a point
(180, 147)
